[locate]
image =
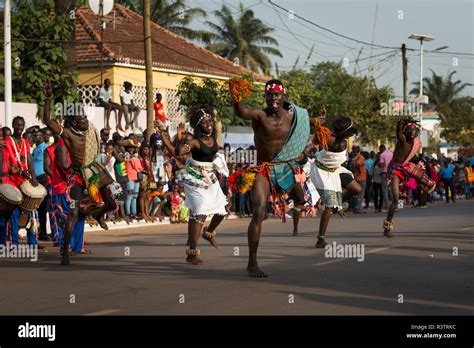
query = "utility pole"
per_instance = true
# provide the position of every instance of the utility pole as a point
(7, 62)
(148, 68)
(405, 72)
(102, 23)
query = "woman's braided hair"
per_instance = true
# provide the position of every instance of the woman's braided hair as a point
(195, 115)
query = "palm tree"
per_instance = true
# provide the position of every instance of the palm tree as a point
(440, 90)
(172, 15)
(242, 39)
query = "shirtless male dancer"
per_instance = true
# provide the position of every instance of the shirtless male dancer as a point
(281, 134)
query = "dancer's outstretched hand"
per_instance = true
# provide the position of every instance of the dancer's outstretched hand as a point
(181, 131)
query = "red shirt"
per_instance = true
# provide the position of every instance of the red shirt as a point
(159, 112)
(134, 166)
(4, 169)
(50, 150)
(59, 173)
(18, 156)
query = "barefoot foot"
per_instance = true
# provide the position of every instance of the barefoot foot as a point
(321, 243)
(102, 223)
(65, 259)
(255, 272)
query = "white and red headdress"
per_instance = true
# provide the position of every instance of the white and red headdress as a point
(275, 87)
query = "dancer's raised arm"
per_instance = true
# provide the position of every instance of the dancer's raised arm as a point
(54, 126)
(240, 89)
(246, 113)
(400, 136)
(180, 149)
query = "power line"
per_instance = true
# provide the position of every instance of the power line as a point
(391, 56)
(284, 24)
(389, 67)
(360, 41)
(284, 38)
(442, 52)
(329, 30)
(377, 55)
(276, 34)
(312, 39)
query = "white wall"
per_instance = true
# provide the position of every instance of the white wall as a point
(95, 115)
(26, 110)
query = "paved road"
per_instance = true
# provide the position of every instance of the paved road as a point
(418, 264)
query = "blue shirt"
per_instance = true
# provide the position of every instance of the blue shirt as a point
(368, 164)
(447, 173)
(38, 158)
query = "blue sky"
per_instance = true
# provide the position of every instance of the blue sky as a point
(383, 22)
(451, 22)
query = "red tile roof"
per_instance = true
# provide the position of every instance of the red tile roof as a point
(123, 42)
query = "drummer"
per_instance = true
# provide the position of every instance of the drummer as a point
(20, 168)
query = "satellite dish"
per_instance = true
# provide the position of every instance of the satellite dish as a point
(107, 6)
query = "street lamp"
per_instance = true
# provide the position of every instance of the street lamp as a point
(421, 38)
(439, 48)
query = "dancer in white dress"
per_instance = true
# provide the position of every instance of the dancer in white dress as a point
(327, 172)
(204, 195)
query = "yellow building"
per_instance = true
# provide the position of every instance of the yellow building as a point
(121, 58)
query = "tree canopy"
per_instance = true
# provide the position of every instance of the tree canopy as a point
(36, 30)
(455, 110)
(328, 85)
(245, 40)
(173, 15)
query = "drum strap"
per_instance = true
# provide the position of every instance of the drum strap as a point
(15, 147)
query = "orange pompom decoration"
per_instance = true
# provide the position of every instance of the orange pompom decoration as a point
(240, 89)
(321, 134)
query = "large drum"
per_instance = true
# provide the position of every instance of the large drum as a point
(32, 195)
(10, 198)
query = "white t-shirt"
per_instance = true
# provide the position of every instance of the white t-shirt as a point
(105, 95)
(127, 97)
(109, 166)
